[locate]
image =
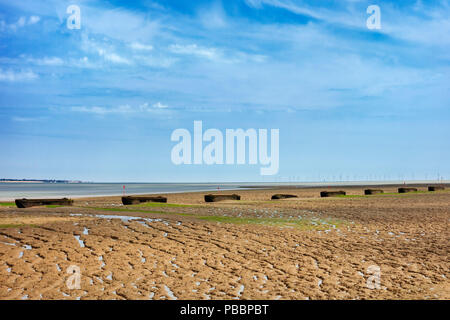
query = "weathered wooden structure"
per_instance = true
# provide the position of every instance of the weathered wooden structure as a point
(27, 203)
(372, 191)
(129, 200)
(221, 197)
(279, 196)
(435, 188)
(325, 194)
(406, 190)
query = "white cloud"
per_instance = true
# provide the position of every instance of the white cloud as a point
(140, 55)
(83, 62)
(12, 76)
(33, 19)
(422, 24)
(20, 23)
(103, 111)
(120, 24)
(193, 49)
(301, 69)
(287, 5)
(140, 46)
(347, 13)
(423, 31)
(213, 16)
(26, 119)
(157, 107)
(47, 61)
(257, 4)
(115, 58)
(155, 61)
(215, 54)
(103, 49)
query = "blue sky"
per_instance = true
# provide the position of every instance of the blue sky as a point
(100, 103)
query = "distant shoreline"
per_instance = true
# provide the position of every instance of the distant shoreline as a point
(20, 181)
(37, 181)
(223, 188)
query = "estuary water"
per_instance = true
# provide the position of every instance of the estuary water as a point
(16, 190)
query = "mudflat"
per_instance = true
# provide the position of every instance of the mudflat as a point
(256, 248)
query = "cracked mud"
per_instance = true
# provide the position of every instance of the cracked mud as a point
(317, 249)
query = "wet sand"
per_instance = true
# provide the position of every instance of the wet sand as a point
(299, 248)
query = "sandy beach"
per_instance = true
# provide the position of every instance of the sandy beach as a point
(256, 248)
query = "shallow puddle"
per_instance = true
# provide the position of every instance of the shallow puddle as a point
(79, 241)
(170, 293)
(101, 259)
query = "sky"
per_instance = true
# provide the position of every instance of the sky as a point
(100, 103)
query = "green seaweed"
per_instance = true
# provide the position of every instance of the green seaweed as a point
(161, 204)
(303, 224)
(134, 211)
(7, 204)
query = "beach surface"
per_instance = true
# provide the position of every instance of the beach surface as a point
(388, 246)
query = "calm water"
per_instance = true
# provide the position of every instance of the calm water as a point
(10, 191)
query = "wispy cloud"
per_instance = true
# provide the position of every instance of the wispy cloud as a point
(113, 57)
(140, 46)
(26, 119)
(193, 49)
(288, 5)
(216, 54)
(17, 76)
(123, 109)
(120, 24)
(159, 105)
(213, 16)
(103, 110)
(83, 62)
(156, 61)
(20, 23)
(103, 49)
(309, 64)
(33, 19)
(344, 15)
(47, 61)
(422, 22)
